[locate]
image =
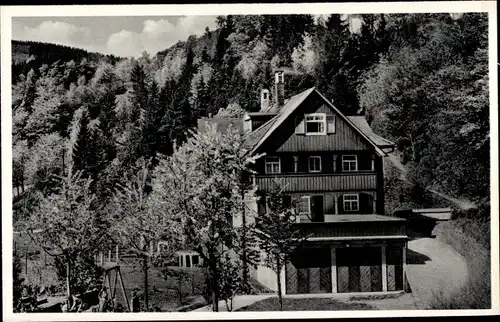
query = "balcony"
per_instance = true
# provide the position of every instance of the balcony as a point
(319, 182)
(355, 227)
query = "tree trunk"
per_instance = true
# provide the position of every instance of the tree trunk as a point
(68, 276)
(146, 292)
(278, 275)
(215, 287)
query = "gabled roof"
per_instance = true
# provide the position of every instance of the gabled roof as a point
(362, 124)
(252, 138)
(255, 139)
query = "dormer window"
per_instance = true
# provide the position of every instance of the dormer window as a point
(315, 124)
(273, 165)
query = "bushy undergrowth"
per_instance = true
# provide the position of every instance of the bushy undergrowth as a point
(469, 234)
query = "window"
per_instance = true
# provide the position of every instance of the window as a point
(295, 164)
(195, 259)
(351, 202)
(305, 205)
(280, 77)
(315, 124)
(273, 165)
(264, 95)
(188, 261)
(349, 163)
(315, 164)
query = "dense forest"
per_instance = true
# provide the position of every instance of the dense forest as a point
(82, 122)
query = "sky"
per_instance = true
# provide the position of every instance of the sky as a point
(121, 36)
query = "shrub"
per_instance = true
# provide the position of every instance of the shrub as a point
(85, 274)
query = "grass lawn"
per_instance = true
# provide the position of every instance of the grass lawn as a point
(306, 304)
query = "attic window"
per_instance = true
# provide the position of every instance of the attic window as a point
(315, 124)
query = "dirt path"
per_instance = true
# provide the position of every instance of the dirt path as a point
(433, 266)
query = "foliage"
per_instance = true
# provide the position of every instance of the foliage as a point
(278, 236)
(231, 281)
(233, 110)
(17, 279)
(201, 183)
(432, 100)
(138, 225)
(85, 274)
(67, 223)
(180, 277)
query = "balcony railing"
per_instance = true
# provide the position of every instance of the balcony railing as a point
(319, 182)
(372, 226)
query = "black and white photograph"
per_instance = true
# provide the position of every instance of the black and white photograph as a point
(307, 160)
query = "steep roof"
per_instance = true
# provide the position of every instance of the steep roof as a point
(252, 138)
(256, 138)
(362, 124)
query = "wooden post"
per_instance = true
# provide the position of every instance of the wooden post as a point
(114, 285)
(404, 267)
(283, 279)
(384, 269)
(123, 290)
(333, 252)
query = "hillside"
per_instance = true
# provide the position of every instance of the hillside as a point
(27, 55)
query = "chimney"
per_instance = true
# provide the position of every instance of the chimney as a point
(264, 100)
(279, 83)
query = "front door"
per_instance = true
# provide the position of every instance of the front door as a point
(317, 213)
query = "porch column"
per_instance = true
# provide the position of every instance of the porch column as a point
(116, 249)
(335, 204)
(333, 252)
(404, 267)
(102, 257)
(283, 279)
(384, 269)
(374, 205)
(109, 255)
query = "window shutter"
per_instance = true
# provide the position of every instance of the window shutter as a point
(299, 125)
(330, 120)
